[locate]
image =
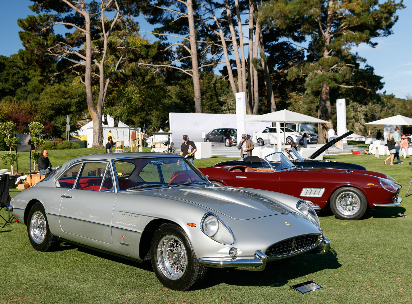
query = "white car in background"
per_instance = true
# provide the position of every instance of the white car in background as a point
(269, 135)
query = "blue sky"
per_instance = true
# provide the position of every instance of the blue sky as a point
(391, 58)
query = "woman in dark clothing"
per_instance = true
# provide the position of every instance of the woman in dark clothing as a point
(391, 148)
(45, 166)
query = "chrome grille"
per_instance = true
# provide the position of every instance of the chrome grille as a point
(293, 246)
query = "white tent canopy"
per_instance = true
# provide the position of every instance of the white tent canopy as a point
(397, 120)
(285, 116)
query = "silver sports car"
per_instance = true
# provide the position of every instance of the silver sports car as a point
(157, 206)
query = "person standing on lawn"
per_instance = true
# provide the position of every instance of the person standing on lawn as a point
(245, 146)
(391, 148)
(188, 149)
(109, 145)
(404, 145)
(397, 139)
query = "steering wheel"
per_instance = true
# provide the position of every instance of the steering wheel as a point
(240, 167)
(179, 174)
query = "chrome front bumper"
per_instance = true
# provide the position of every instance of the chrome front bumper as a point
(393, 204)
(323, 247)
(258, 262)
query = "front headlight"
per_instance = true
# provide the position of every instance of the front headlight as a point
(388, 185)
(216, 229)
(307, 210)
(391, 179)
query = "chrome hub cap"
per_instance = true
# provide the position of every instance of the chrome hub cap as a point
(38, 227)
(348, 203)
(171, 257)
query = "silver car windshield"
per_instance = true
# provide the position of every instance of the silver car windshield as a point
(279, 162)
(143, 173)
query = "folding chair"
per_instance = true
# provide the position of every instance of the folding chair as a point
(5, 199)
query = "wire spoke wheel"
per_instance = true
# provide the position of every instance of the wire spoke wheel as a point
(348, 203)
(172, 257)
(38, 227)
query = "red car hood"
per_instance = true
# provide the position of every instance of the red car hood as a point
(364, 172)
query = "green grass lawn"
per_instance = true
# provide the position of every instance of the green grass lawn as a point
(370, 262)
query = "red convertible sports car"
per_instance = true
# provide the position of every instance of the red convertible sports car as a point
(348, 193)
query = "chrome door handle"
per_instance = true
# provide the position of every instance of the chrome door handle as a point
(241, 177)
(66, 196)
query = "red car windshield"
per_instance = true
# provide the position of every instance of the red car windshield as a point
(278, 161)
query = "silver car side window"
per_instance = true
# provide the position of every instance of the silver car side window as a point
(69, 177)
(91, 176)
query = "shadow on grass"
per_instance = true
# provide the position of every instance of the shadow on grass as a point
(276, 274)
(391, 212)
(145, 265)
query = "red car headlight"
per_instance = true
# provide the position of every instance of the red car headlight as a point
(388, 185)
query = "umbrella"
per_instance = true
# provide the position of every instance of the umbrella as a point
(285, 116)
(398, 120)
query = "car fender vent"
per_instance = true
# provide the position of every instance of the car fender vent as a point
(312, 192)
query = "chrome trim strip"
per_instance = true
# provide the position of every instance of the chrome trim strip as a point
(258, 262)
(241, 176)
(125, 229)
(117, 227)
(397, 203)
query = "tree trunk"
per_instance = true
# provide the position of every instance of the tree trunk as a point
(226, 54)
(325, 113)
(265, 68)
(325, 110)
(235, 47)
(242, 48)
(94, 114)
(255, 72)
(195, 64)
(251, 68)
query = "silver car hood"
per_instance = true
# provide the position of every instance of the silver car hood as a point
(235, 203)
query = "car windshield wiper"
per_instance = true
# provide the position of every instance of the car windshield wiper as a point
(145, 186)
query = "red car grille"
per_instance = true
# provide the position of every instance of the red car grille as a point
(293, 246)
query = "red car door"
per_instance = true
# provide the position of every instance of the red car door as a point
(257, 180)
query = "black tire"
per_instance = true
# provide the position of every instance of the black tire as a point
(348, 203)
(207, 139)
(173, 259)
(289, 140)
(260, 142)
(38, 229)
(228, 143)
(217, 184)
